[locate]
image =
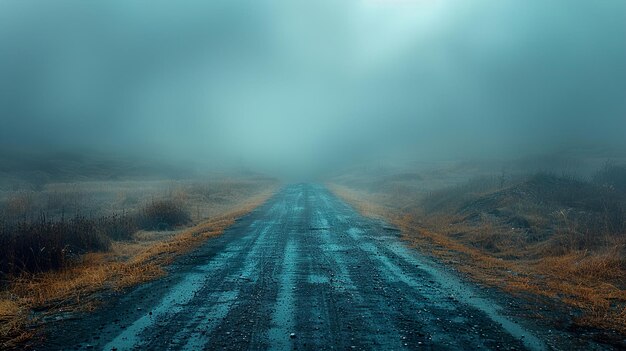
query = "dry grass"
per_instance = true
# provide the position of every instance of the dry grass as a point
(36, 237)
(126, 264)
(164, 214)
(593, 281)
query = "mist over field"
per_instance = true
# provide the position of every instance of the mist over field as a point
(300, 88)
(313, 175)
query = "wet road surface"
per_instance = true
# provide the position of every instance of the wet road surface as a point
(303, 271)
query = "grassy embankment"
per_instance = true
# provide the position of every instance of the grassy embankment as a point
(532, 234)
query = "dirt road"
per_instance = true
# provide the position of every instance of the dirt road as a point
(303, 271)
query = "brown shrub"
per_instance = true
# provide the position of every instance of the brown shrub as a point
(163, 215)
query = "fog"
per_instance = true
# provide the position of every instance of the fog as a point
(301, 88)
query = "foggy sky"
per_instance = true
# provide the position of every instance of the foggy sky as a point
(290, 85)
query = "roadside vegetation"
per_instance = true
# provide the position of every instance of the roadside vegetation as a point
(62, 242)
(542, 234)
(43, 244)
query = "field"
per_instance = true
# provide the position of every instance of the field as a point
(61, 243)
(537, 232)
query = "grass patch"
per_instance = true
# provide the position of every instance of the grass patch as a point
(42, 245)
(163, 215)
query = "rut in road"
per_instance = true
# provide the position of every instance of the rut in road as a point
(306, 271)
